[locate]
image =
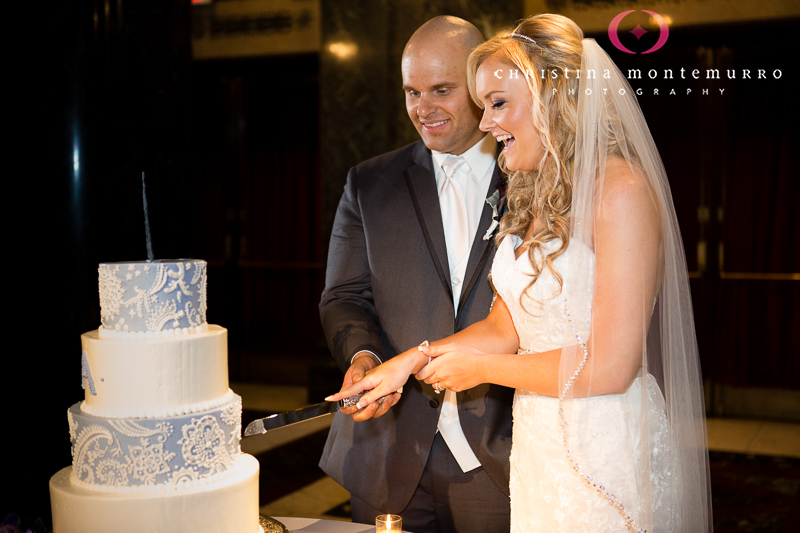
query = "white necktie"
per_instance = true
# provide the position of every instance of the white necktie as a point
(454, 215)
(456, 234)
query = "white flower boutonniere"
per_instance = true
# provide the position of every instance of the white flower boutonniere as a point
(497, 203)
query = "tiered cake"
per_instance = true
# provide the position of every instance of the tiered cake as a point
(155, 444)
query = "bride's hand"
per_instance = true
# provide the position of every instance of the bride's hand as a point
(454, 366)
(383, 380)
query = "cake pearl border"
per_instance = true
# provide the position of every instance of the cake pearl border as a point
(161, 413)
(105, 333)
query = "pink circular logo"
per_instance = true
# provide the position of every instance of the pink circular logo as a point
(638, 31)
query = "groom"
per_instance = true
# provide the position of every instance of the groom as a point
(408, 261)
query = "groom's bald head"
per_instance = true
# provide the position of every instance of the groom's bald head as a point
(455, 33)
(434, 70)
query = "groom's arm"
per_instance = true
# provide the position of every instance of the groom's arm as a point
(347, 310)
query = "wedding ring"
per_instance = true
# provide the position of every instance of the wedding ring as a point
(437, 388)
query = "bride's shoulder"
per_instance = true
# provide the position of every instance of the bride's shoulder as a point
(626, 191)
(619, 175)
(627, 210)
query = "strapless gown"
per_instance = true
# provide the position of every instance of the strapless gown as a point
(605, 431)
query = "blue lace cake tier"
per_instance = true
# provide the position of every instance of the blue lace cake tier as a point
(142, 299)
(140, 455)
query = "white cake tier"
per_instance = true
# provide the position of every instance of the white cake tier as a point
(144, 297)
(227, 506)
(126, 378)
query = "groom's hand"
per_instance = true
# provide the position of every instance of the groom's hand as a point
(362, 363)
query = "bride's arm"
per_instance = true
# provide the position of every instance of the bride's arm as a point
(628, 266)
(495, 333)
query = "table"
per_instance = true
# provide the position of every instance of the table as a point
(317, 525)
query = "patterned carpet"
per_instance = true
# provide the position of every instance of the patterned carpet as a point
(291, 467)
(755, 493)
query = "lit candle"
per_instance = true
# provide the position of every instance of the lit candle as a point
(388, 523)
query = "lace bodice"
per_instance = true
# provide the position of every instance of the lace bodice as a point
(540, 318)
(546, 494)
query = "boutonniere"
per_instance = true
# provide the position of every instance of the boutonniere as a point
(499, 206)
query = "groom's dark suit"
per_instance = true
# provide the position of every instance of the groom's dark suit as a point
(388, 289)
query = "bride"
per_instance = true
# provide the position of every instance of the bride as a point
(592, 322)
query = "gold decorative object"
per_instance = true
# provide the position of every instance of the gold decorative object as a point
(270, 525)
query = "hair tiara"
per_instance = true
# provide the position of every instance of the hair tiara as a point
(521, 36)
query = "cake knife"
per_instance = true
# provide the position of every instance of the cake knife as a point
(261, 426)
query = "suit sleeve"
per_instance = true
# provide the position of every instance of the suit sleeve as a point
(347, 309)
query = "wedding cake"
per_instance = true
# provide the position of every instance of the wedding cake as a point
(155, 443)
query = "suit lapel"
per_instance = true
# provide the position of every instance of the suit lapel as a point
(422, 187)
(480, 248)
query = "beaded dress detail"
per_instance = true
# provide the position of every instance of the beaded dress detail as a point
(547, 495)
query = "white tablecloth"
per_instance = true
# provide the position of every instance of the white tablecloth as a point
(316, 525)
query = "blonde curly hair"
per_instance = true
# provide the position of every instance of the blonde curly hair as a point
(544, 194)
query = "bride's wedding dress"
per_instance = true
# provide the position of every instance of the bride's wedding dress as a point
(547, 495)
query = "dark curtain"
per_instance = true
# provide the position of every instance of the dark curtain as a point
(256, 145)
(758, 302)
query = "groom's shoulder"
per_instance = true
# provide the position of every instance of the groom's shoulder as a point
(394, 162)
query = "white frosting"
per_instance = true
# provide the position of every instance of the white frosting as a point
(161, 413)
(225, 506)
(155, 378)
(105, 333)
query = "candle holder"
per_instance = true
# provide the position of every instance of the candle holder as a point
(388, 523)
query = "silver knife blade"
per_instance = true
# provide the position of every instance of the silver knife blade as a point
(261, 426)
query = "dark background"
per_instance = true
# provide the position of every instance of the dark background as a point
(245, 161)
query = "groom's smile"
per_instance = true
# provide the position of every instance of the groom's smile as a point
(434, 126)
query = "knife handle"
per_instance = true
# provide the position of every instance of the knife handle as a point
(353, 400)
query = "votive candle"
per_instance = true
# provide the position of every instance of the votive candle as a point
(388, 523)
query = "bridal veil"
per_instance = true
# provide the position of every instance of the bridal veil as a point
(591, 128)
(610, 124)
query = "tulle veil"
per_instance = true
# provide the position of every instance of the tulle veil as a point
(609, 115)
